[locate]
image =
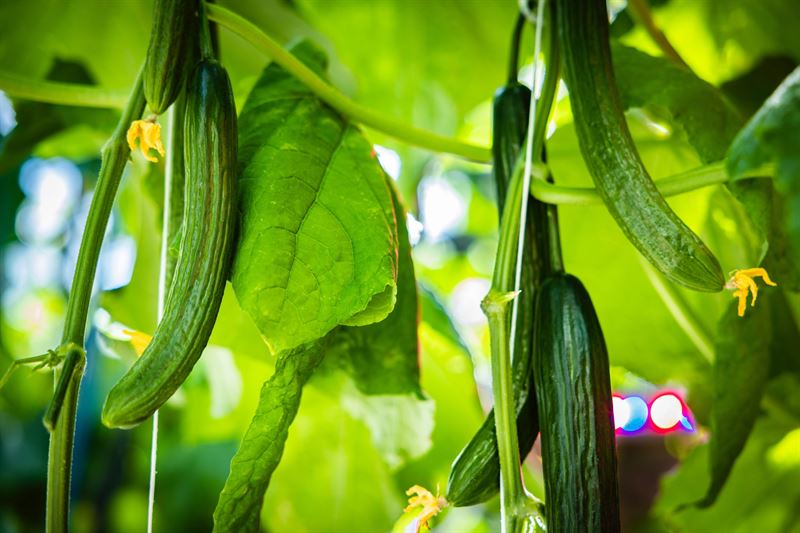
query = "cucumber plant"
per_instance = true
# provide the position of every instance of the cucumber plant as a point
(288, 200)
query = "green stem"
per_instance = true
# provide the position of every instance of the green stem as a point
(697, 178)
(682, 312)
(60, 416)
(498, 312)
(517, 507)
(337, 100)
(640, 12)
(206, 42)
(60, 93)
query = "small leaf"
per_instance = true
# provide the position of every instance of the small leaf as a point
(773, 136)
(318, 243)
(261, 449)
(383, 358)
(741, 368)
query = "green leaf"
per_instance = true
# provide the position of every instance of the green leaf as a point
(383, 358)
(332, 478)
(262, 447)
(773, 136)
(318, 243)
(741, 369)
(698, 108)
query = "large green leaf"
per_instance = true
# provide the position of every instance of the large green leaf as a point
(698, 108)
(773, 136)
(318, 243)
(741, 368)
(382, 358)
(262, 447)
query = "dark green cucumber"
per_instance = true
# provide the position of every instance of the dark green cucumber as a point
(475, 474)
(169, 53)
(207, 241)
(575, 410)
(611, 156)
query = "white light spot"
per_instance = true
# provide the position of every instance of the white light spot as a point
(55, 183)
(389, 160)
(8, 118)
(442, 208)
(622, 412)
(415, 228)
(117, 260)
(465, 301)
(666, 411)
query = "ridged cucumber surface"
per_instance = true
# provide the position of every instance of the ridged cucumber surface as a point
(575, 410)
(611, 156)
(207, 243)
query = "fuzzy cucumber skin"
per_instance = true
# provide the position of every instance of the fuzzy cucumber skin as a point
(611, 156)
(575, 411)
(207, 244)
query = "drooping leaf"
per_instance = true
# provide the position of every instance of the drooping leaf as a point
(435, 315)
(773, 136)
(261, 449)
(383, 358)
(741, 368)
(318, 242)
(697, 107)
(332, 477)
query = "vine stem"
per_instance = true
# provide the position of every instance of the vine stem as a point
(53, 92)
(517, 507)
(690, 180)
(641, 13)
(60, 416)
(337, 100)
(682, 312)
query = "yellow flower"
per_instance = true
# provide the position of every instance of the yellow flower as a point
(431, 505)
(149, 134)
(741, 282)
(138, 339)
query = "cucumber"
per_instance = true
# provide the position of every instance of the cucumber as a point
(475, 474)
(611, 156)
(206, 247)
(570, 369)
(169, 53)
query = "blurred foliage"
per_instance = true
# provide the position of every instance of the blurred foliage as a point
(356, 444)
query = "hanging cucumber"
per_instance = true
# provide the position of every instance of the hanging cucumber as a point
(575, 410)
(206, 246)
(169, 52)
(611, 156)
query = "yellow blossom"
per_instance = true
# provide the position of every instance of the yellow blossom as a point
(431, 505)
(741, 282)
(138, 339)
(149, 134)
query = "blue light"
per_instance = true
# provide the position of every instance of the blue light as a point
(638, 414)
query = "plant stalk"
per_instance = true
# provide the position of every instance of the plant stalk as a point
(337, 100)
(60, 416)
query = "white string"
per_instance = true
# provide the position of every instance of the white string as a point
(526, 180)
(162, 295)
